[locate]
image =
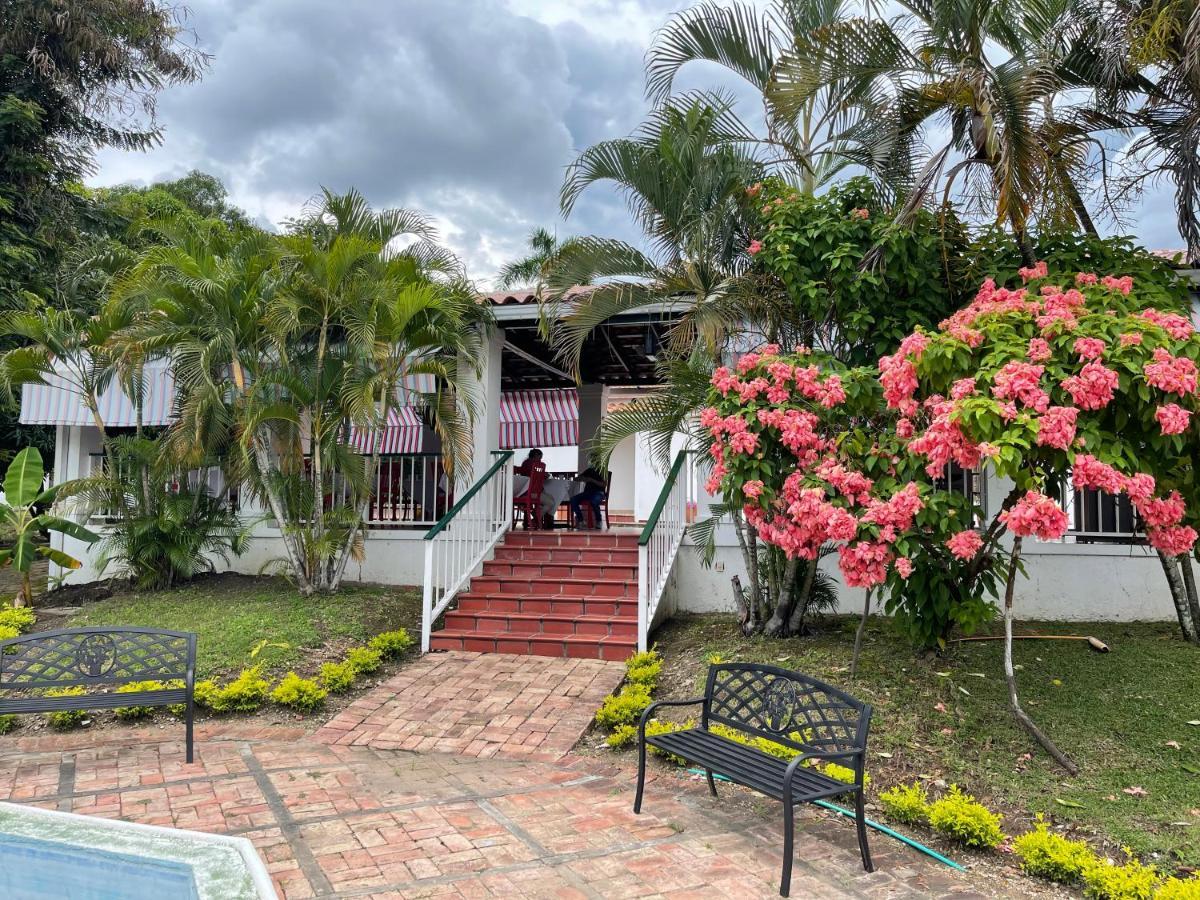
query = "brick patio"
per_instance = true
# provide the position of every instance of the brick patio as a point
(340, 813)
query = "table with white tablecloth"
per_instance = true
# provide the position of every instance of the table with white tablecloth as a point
(554, 491)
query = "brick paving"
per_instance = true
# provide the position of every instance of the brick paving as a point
(347, 812)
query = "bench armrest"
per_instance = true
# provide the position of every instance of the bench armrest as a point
(656, 704)
(804, 757)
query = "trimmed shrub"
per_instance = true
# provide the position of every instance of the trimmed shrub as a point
(67, 718)
(643, 668)
(626, 735)
(7, 632)
(7, 723)
(133, 713)
(301, 694)
(842, 773)
(337, 678)
(624, 708)
(205, 692)
(364, 660)
(1132, 881)
(959, 817)
(1052, 856)
(1179, 889)
(19, 619)
(908, 805)
(391, 644)
(246, 693)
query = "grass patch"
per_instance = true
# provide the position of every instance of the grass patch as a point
(231, 615)
(1119, 715)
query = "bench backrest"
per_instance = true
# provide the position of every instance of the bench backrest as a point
(96, 656)
(786, 707)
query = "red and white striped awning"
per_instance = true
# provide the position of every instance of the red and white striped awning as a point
(539, 419)
(58, 401)
(403, 434)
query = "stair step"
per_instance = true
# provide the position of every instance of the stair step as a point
(536, 569)
(570, 555)
(539, 624)
(574, 646)
(573, 587)
(549, 604)
(563, 538)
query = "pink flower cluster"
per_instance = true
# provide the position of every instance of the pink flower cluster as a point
(1173, 418)
(943, 441)
(1020, 381)
(1085, 279)
(1093, 387)
(1177, 326)
(1039, 270)
(1123, 284)
(864, 563)
(1090, 348)
(1173, 374)
(1057, 427)
(1038, 515)
(1039, 350)
(898, 375)
(965, 544)
(754, 248)
(859, 214)
(1089, 472)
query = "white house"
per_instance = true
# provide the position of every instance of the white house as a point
(492, 582)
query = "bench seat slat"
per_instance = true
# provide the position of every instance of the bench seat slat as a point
(112, 700)
(747, 765)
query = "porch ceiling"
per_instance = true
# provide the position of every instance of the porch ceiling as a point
(615, 354)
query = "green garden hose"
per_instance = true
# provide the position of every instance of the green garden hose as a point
(870, 824)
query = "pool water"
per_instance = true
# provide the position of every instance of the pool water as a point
(32, 869)
(52, 855)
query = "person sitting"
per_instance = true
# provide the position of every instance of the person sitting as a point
(526, 466)
(592, 494)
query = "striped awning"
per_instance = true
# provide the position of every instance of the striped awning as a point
(403, 434)
(58, 401)
(539, 419)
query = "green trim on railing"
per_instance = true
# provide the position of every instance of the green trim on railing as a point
(504, 456)
(676, 467)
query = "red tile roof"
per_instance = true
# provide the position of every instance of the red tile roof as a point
(525, 295)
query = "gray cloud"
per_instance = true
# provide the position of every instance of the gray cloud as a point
(468, 109)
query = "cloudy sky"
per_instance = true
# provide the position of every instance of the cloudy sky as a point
(468, 109)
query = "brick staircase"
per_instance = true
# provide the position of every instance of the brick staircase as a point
(551, 593)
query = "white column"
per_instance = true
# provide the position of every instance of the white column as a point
(591, 411)
(485, 391)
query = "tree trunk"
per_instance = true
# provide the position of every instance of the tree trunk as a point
(783, 606)
(1010, 676)
(1189, 584)
(1179, 596)
(751, 624)
(858, 634)
(295, 558)
(800, 607)
(752, 565)
(372, 472)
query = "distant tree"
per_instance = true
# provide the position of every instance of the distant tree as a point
(75, 76)
(528, 271)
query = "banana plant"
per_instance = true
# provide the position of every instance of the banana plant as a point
(20, 519)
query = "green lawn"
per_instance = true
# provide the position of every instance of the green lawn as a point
(232, 615)
(1120, 715)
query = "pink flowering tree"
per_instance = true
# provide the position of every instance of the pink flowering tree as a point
(810, 459)
(1069, 377)
(1047, 383)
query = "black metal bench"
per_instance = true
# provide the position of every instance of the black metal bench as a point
(818, 721)
(98, 658)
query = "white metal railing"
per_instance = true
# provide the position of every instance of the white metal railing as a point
(458, 544)
(409, 489)
(661, 538)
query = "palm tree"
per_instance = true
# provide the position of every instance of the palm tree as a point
(1151, 50)
(845, 123)
(528, 270)
(994, 72)
(353, 319)
(683, 186)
